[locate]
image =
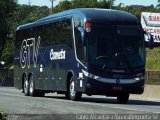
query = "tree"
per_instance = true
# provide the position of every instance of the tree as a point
(65, 5)
(158, 3)
(6, 10)
(21, 14)
(36, 14)
(104, 4)
(121, 5)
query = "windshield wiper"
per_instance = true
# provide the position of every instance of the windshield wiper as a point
(126, 59)
(106, 58)
(102, 57)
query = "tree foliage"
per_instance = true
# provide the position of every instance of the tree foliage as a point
(21, 14)
(6, 10)
(65, 5)
(158, 3)
(25, 14)
(11, 16)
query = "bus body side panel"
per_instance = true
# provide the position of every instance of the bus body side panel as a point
(53, 66)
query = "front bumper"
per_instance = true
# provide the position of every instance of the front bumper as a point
(95, 87)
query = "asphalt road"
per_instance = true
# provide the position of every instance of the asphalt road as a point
(14, 102)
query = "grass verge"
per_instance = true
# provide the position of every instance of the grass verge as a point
(153, 59)
(153, 66)
(3, 115)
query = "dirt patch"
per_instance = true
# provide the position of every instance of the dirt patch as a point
(151, 92)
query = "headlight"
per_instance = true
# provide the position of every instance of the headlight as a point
(140, 78)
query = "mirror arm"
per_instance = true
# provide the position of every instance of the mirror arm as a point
(150, 39)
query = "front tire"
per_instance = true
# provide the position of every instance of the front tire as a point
(123, 98)
(74, 96)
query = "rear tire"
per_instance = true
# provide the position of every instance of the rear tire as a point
(74, 96)
(123, 98)
(33, 92)
(26, 87)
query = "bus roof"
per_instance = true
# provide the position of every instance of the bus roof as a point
(97, 15)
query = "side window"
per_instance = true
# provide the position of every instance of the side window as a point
(19, 39)
(55, 33)
(21, 35)
(30, 33)
(45, 32)
(39, 33)
(67, 32)
(47, 38)
(62, 32)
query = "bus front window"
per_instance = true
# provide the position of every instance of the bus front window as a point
(116, 47)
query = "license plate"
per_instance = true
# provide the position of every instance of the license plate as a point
(117, 88)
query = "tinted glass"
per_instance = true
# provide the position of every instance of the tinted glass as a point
(62, 32)
(47, 35)
(116, 46)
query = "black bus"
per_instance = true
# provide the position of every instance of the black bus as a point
(86, 50)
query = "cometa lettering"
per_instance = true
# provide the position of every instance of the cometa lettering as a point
(57, 55)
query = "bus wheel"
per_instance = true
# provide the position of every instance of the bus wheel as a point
(32, 91)
(73, 94)
(26, 87)
(123, 98)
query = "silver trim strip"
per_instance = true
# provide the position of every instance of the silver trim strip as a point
(75, 45)
(107, 80)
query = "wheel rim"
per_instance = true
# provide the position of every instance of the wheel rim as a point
(72, 89)
(31, 87)
(26, 86)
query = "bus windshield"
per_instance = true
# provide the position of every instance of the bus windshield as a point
(116, 47)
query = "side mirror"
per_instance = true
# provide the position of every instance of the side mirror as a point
(149, 39)
(81, 29)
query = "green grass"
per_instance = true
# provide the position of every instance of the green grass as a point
(3, 115)
(153, 81)
(153, 59)
(153, 66)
